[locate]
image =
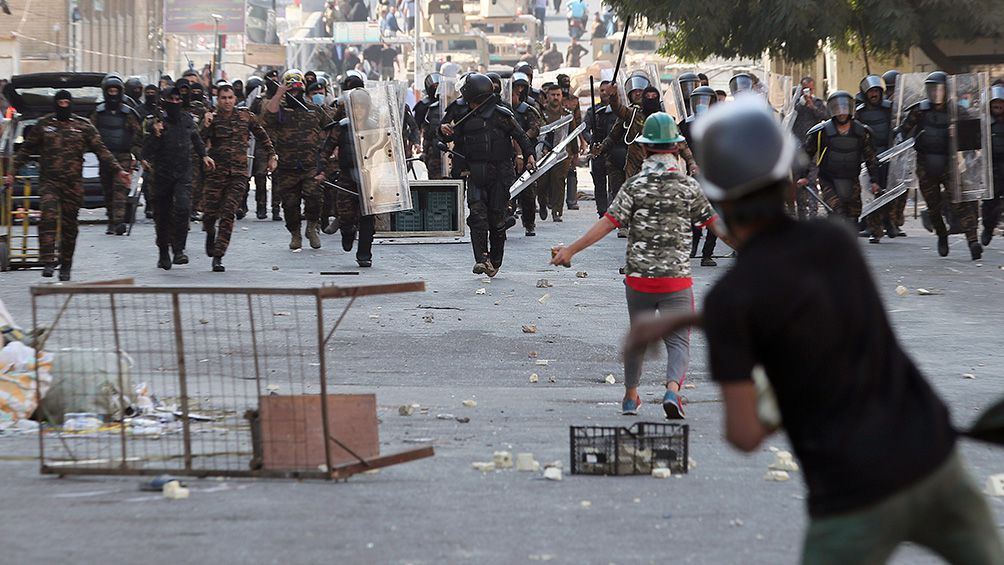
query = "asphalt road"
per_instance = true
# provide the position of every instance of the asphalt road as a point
(440, 510)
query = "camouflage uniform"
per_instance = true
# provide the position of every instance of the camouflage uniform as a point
(259, 170)
(551, 187)
(296, 135)
(659, 207)
(227, 143)
(61, 144)
(116, 191)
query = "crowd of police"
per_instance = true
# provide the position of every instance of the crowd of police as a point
(199, 153)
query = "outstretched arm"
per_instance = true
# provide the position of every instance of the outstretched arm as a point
(563, 255)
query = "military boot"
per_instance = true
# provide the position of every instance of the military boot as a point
(313, 235)
(261, 211)
(276, 216)
(295, 240)
(210, 240)
(986, 236)
(943, 245)
(975, 250)
(48, 270)
(218, 265)
(164, 261)
(64, 270)
(332, 226)
(348, 237)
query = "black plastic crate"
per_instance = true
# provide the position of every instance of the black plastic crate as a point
(608, 450)
(410, 220)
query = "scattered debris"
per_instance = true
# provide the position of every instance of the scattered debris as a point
(445, 417)
(530, 329)
(534, 378)
(203, 321)
(552, 474)
(783, 461)
(486, 280)
(552, 379)
(483, 466)
(532, 355)
(463, 419)
(425, 307)
(968, 376)
(586, 504)
(689, 386)
(272, 389)
(581, 274)
(737, 523)
(428, 318)
(157, 483)
(691, 464)
(526, 463)
(544, 298)
(374, 316)
(995, 485)
(407, 409)
(925, 292)
(541, 362)
(502, 459)
(661, 473)
(610, 379)
(778, 476)
(174, 491)
(902, 290)
(275, 267)
(470, 403)
(480, 291)
(282, 313)
(543, 283)
(418, 440)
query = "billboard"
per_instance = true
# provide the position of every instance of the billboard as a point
(196, 16)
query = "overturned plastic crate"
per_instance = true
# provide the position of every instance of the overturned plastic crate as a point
(409, 220)
(203, 381)
(615, 450)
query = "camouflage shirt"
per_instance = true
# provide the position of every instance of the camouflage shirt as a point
(297, 135)
(61, 144)
(228, 140)
(659, 206)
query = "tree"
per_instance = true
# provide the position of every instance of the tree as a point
(797, 29)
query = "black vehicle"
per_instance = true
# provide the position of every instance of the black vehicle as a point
(32, 97)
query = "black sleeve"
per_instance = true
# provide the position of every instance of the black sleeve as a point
(518, 135)
(728, 330)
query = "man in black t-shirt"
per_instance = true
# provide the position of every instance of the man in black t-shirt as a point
(876, 443)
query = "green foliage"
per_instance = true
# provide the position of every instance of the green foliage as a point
(797, 29)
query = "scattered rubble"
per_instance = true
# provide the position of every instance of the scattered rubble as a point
(995, 485)
(925, 292)
(581, 274)
(526, 463)
(544, 298)
(463, 419)
(534, 378)
(778, 476)
(480, 291)
(470, 403)
(407, 409)
(502, 459)
(902, 290)
(544, 283)
(530, 329)
(661, 473)
(610, 379)
(783, 461)
(968, 376)
(586, 504)
(174, 491)
(483, 466)
(552, 474)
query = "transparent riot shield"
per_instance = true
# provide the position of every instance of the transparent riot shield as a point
(374, 116)
(448, 92)
(673, 102)
(779, 93)
(969, 136)
(903, 164)
(505, 97)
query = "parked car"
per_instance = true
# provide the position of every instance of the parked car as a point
(32, 96)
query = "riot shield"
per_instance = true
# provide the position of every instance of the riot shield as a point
(556, 155)
(903, 164)
(505, 97)
(673, 102)
(969, 136)
(374, 117)
(447, 92)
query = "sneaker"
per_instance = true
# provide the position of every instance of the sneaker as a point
(873, 239)
(365, 263)
(180, 258)
(543, 213)
(530, 232)
(708, 262)
(479, 268)
(630, 406)
(672, 405)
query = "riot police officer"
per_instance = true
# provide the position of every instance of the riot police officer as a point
(119, 126)
(876, 113)
(889, 78)
(599, 121)
(836, 148)
(529, 119)
(134, 92)
(688, 82)
(928, 121)
(992, 208)
(487, 134)
(428, 115)
(700, 101)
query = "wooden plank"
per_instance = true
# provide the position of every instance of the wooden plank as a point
(372, 289)
(350, 469)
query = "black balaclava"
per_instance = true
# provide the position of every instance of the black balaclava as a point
(113, 102)
(172, 109)
(150, 101)
(63, 114)
(271, 83)
(184, 90)
(198, 92)
(651, 105)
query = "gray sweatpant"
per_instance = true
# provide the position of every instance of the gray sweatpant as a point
(646, 304)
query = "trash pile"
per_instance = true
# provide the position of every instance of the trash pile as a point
(22, 371)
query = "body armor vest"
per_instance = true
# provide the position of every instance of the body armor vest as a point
(843, 152)
(880, 121)
(114, 130)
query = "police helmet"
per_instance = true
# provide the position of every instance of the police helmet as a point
(432, 81)
(870, 82)
(477, 88)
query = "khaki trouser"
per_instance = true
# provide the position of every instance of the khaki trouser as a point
(944, 512)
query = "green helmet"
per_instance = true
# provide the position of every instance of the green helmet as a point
(660, 129)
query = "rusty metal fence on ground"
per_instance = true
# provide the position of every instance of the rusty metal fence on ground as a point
(201, 381)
